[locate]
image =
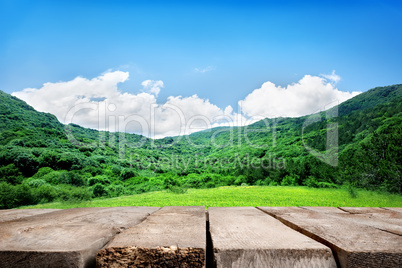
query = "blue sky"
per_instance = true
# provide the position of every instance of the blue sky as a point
(219, 50)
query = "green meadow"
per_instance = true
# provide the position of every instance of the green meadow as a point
(351, 160)
(235, 196)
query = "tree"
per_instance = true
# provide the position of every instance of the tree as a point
(99, 190)
(27, 164)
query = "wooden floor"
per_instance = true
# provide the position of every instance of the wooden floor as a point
(194, 237)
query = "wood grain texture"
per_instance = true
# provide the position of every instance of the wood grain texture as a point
(355, 243)
(399, 209)
(64, 238)
(171, 237)
(15, 214)
(330, 210)
(247, 237)
(382, 219)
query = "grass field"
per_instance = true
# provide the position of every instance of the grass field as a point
(244, 196)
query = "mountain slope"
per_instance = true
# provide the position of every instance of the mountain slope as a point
(371, 98)
(17, 113)
(41, 162)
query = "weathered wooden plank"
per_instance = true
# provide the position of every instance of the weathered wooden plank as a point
(15, 214)
(382, 213)
(64, 238)
(355, 244)
(286, 210)
(382, 219)
(330, 210)
(247, 237)
(397, 209)
(373, 211)
(171, 237)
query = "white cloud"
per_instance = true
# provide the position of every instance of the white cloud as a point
(152, 86)
(311, 94)
(58, 98)
(98, 103)
(332, 77)
(204, 70)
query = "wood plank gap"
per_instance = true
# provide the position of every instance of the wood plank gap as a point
(317, 238)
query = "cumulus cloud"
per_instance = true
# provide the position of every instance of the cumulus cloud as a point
(309, 95)
(97, 103)
(153, 87)
(58, 98)
(334, 78)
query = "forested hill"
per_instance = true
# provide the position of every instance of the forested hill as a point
(357, 143)
(371, 98)
(16, 114)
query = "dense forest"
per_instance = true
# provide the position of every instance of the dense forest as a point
(356, 144)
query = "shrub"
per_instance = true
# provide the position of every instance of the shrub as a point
(67, 192)
(72, 178)
(127, 173)
(69, 160)
(11, 174)
(210, 184)
(116, 190)
(259, 183)
(76, 179)
(45, 194)
(193, 181)
(36, 182)
(267, 181)
(49, 159)
(94, 180)
(352, 192)
(42, 172)
(116, 169)
(53, 177)
(170, 180)
(314, 183)
(326, 185)
(240, 180)
(228, 180)
(15, 196)
(99, 190)
(177, 189)
(93, 170)
(273, 183)
(27, 163)
(7, 195)
(311, 182)
(155, 184)
(289, 181)
(351, 189)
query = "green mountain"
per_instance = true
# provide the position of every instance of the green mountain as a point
(357, 143)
